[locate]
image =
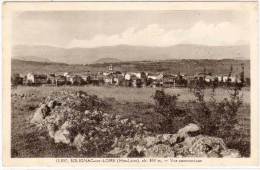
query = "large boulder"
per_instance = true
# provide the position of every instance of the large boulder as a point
(206, 146)
(63, 135)
(40, 114)
(190, 128)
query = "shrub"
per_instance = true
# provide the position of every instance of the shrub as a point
(165, 105)
(220, 118)
(16, 79)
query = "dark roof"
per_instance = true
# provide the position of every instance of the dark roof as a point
(42, 76)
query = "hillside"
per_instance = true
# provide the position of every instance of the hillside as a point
(21, 66)
(132, 53)
(190, 67)
(32, 58)
(108, 60)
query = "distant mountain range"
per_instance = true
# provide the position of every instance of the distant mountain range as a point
(32, 58)
(107, 60)
(127, 53)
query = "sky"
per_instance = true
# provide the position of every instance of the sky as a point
(91, 29)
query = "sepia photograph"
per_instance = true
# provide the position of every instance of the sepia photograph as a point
(130, 83)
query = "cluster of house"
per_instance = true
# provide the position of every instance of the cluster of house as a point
(127, 79)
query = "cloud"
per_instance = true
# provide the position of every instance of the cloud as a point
(223, 33)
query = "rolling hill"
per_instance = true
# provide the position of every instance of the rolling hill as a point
(32, 58)
(108, 60)
(130, 53)
(189, 67)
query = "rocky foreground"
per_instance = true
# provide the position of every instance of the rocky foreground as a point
(79, 120)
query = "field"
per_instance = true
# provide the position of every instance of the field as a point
(27, 141)
(125, 94)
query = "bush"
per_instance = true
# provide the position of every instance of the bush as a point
(165, 105)
(220, 118)
(16, 79)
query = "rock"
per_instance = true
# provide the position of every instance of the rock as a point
(205, 145)
(189, 141)
(116, 151)
(133, 122)
(135, 154)
(66, 125)
(87, 112)
(51, 130)
(40, 114)
(173, 139)
(230, 153)
(166, 137)
(124, 121)
(42, 138)
(59, 119)
(150, 141)
(213, 154)
(183, 132)
(62, 136)
(160, 151)
(169, 138)
(52, 104)
(140, 148)
(78, 141)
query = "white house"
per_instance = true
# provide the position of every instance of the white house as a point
(127, 76)
(155, 76)
(30, 77)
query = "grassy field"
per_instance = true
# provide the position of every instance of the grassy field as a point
(125, 94)
(28, 141)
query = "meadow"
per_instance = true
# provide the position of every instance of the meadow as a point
(137, 103)
(128, 94)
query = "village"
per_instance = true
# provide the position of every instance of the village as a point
(116, 78)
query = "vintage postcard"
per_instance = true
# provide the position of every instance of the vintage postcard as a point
(130, 84)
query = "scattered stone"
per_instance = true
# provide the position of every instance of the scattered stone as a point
(62, 136)
(40, 114)
(78, 141)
